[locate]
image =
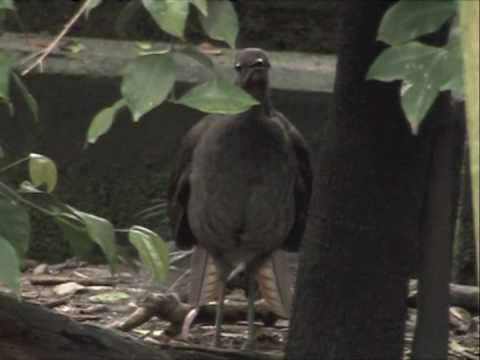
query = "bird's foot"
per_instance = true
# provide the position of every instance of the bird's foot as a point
(187, 323)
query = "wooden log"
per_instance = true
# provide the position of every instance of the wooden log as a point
(32, 332)
(464, 296)
(168, 307)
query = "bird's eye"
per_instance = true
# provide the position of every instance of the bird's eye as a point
(259, 62)
(238, 67)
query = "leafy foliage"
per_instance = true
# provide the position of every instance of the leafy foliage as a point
(42, 171)
(424, 70)
(6, 64)
(80, 229)
(151, 249)
(221, 21)
(170, 15)
(217, 96)
(147, 83)
(103, 120)
(7, 4)
(407, 20)
(15, 225)
(9, 265)
(149, 80)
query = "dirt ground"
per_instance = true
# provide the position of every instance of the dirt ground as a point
(99, 302)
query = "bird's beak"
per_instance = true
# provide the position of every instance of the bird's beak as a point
(252, 77)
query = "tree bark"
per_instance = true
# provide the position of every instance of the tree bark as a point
(437, 233)
(31, 332)
(363, 225)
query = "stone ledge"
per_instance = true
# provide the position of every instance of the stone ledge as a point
(292, 71)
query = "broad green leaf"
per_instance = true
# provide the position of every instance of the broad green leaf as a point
(407, 20)
(452, 72)
(147, 83)
(221, 23)
(170, 15)
(425, 70)
(199, 57)
(416, 100)
(46, 201)
(29, 99)
(92, 4)
(9, 266)
(201, 5)
(152, 250)
(408, 61)
(78, 239)
(103, 120)
(15, 225)
(101, 232)
(6, 64)
(42, 171)
(218, 96)
(7, 4)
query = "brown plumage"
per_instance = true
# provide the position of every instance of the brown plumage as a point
(239, 193)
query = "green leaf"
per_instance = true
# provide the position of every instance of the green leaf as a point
(147, 83)
(199, 57)
(6, 64)
(407, 19)
(7, 4)
(409, 61)
(42, 171)
(47, 201)
(416, 100)
(425, 71)
(101, 232)
(78, 239)
(452, 71)
(201, 5)
(15, 225)
(92, 4)
(9, 266)
(170, 15)
(103, 121)
(152, 250)
(29, 99)
(221, 23)
(218, 96)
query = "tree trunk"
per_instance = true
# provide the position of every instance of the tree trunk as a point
(31, 332)
(437, 233)
(363, 229)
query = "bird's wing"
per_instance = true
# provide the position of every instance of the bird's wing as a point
(303, 184)
(204, 279)
(179, 186)
(274, 283)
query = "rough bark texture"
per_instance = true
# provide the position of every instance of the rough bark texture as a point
(31, 332)
(363, 226)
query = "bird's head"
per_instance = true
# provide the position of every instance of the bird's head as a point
(252, 66)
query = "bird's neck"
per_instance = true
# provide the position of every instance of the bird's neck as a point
(264, 105)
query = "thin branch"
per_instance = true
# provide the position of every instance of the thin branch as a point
(54, 43)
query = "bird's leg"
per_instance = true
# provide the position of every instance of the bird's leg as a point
(252, 288)
(219, 312)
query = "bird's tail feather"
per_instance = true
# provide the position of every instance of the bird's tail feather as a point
(204, 278)
(274, 283)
